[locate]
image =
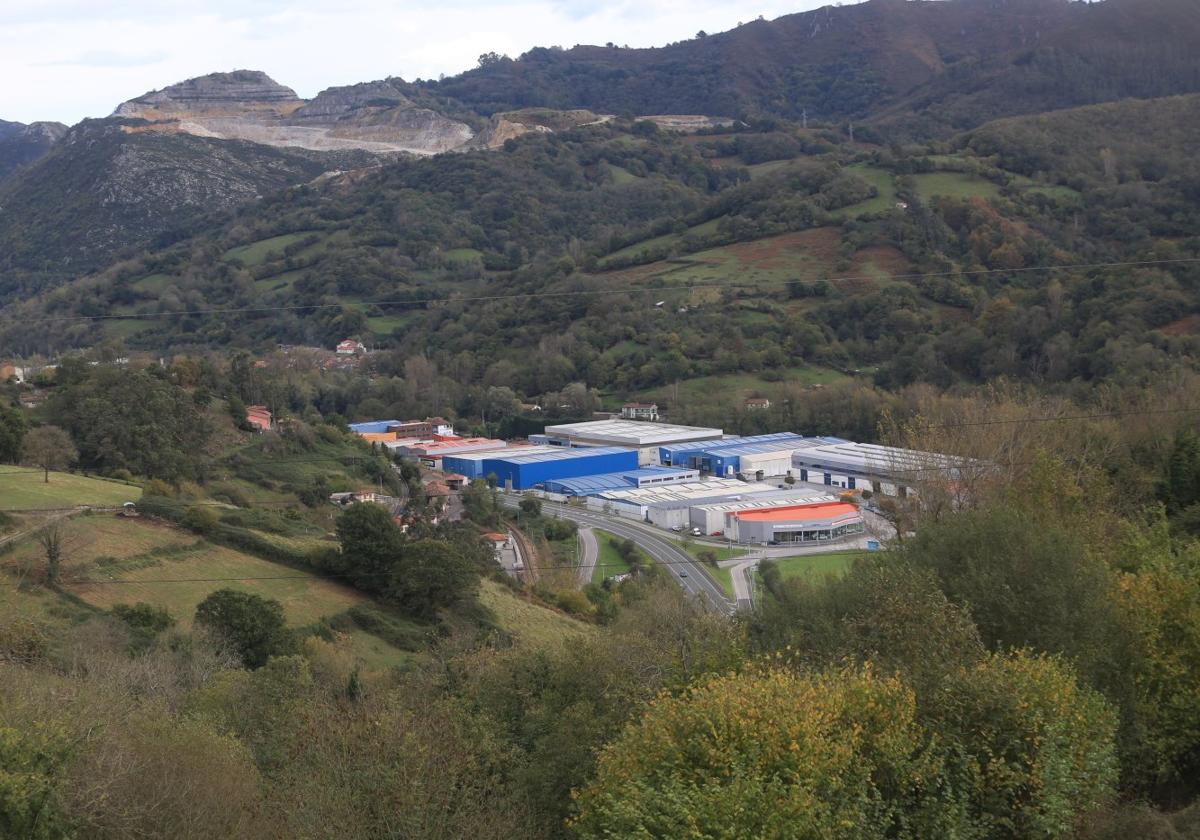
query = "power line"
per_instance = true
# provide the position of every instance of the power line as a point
(244, 310)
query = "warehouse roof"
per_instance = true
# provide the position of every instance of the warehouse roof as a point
(625, 480)
(691, 493)
(748, 448)
(556, 453)
(483, 454)
(632, 432)
(451, 447)
(783, 498)
(747, 440)
(872, 458)
(373, 426)
(799, 513)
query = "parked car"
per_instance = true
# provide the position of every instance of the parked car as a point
(696, 532)
(676, 528)
(717, 534)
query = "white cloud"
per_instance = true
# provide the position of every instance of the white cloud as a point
(69, 59)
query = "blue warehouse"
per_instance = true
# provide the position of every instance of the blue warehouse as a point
(591, 485)
(699, 455)
(523, 472)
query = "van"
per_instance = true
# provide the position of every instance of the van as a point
(696, 532)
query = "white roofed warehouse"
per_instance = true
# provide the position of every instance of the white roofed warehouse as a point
(646, 438)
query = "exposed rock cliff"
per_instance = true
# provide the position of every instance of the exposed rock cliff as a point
(250, 105)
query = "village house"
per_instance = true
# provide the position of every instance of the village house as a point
(639, 411)
(757, 403)
(350, 347)
(259, 417)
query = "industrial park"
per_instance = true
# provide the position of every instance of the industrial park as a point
(771, 489)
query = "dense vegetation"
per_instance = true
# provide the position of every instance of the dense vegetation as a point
(927, 67)
(521, 270)
(1025, 665)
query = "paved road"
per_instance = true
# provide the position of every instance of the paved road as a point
(681, 566)
(739, 572)
(589, 555)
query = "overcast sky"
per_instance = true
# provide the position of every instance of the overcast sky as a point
(69, 59)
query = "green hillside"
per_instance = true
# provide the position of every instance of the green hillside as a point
(25, 489)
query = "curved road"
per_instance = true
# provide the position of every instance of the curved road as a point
(681, 566)
(589, 555)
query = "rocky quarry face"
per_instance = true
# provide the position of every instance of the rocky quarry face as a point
(250, 105)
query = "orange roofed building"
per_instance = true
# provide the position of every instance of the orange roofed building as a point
(815, 522)
(258, 417)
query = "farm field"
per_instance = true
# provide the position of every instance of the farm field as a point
(138, 555)
(885, 185)
(256, 253)
(774, 260)
(954, 185)
(24, 489)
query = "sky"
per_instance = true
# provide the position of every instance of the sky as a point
(65, 60)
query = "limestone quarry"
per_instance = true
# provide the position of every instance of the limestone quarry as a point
(372, 116)
(250, 105)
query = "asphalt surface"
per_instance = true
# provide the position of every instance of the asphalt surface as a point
(681, 566)
(589, 555)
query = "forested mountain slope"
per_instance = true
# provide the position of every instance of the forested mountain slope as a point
(936, 65)
(779, 255)
(109, 185)
(882, 71)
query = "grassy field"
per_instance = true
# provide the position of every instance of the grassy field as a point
(954, 185)
(142, 555)
(530, 624)
(638, 249)
(884, 184)
(24, 489)
(153, 284)
(461, 255)
(256, 252)
(817, 566)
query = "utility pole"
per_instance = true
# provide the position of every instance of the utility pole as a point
(804, 117)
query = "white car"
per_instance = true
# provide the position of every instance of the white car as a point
(676, 528)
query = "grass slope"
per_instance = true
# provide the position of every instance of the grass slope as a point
(24, 489)
(610, 563)
(138, 556)
(528, 623)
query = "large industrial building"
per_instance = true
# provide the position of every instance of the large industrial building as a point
(668, 507)
(470, 464)
(866, 466)
(693, 453)
(518, 469)
(812, 522)
(430, 453)
(590, 485)
(713, 517)
(646, 438)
